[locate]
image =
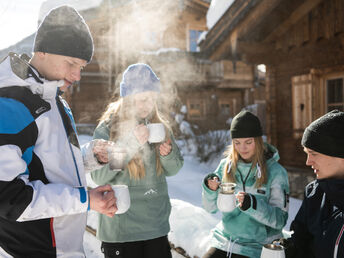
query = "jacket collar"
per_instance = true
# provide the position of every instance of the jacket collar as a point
(334, 189)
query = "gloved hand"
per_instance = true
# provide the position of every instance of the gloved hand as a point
(283, 242)
(95, 154)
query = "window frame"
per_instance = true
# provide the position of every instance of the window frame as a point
(325, 85)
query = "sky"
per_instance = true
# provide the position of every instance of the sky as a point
(190, 224)
(18, 19)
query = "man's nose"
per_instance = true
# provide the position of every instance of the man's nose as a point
(309, 161)
(76, 74)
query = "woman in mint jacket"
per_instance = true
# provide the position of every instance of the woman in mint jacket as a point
(262, 192)
(141, 232)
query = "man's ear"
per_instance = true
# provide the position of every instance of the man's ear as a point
(41, 55)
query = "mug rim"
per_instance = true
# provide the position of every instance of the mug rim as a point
(119, 186)
(274, 247)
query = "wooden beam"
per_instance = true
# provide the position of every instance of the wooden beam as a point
(300, 12)
(254, 47)
(309, 54)
(200, 2)
(259, 12)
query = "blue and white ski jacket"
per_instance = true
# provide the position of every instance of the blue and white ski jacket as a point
(43, 197)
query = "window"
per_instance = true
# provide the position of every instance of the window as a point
(335, 94)
(193, 38)
(224, 108)
(195, 108)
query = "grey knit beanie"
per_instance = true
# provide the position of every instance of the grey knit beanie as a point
(139, 78)
(245, 125)
(64, 32)
(326, 134)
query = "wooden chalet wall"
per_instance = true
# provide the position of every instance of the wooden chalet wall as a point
(212, 92)
(122, 32)
(302, 45)
(308, 52)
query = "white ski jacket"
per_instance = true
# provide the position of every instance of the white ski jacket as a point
(43, 195)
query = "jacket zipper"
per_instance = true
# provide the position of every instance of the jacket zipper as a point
(70, 147)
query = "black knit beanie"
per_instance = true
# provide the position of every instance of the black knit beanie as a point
(64, 32)
(245, 125)
(326, 134)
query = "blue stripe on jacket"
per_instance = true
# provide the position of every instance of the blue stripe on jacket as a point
(14, 123)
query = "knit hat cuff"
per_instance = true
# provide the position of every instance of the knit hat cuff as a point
(247, 133)
(130, 89)
(323, 143)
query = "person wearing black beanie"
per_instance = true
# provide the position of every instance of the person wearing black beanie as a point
(261, 188)
(44, 197)
(319, 224)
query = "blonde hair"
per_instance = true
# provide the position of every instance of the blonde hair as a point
(119, 116)
(233, 156)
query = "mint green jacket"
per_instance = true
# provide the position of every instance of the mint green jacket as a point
(245, 232)
(148, 215)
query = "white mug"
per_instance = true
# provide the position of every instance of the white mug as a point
(272, 251)
(123, 198)
(226, 201)
(156, 132)
(117, 157)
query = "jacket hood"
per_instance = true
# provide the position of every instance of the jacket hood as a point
(7, 75)
(271, 153)
(16, 71)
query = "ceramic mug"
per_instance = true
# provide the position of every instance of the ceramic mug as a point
(156, 132)
(226, 201)
(272, 251)
(123, 198)
(117, 158)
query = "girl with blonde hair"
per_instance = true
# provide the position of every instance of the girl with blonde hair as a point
(141, 232)
(262, 192)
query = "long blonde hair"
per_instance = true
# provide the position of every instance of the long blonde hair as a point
(233, 157)
(119, 117)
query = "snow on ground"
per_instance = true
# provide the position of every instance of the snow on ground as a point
(190, 224)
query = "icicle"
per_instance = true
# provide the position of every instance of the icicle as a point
(229, 167)
(259, 172)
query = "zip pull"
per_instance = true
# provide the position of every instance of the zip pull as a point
(229, 167)
(259, 172)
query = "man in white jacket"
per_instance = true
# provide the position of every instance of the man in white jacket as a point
(43, 192)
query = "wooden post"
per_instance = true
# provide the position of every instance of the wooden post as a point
(271, 119)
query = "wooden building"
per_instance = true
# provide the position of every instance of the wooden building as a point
(164, 35)
(301, 43)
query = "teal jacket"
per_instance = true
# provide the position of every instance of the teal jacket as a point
(245, 232)
(148, 215)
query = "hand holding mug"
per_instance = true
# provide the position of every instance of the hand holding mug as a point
(100, 150)
(213, 183)
(102, 200)
(240, 196)
(165, 148)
